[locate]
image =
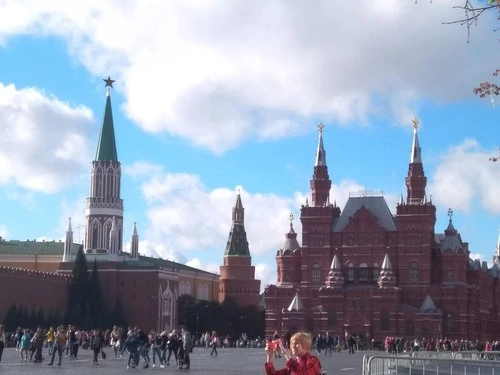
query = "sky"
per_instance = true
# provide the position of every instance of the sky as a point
(213, 98)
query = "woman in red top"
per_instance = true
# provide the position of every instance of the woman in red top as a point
(299, 361)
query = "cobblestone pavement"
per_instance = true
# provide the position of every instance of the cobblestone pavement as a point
(228, 362)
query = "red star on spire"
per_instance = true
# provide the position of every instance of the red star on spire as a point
(109, 82)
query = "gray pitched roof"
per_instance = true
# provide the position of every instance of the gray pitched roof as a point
(291, 242)
(375, 204)
(428, 305)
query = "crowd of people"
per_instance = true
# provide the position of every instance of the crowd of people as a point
(63, 341)
(395, 345)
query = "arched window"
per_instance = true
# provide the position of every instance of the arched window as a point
(95, 234)
(205, 292)
(363, 272)
(350, 271)
(414, 276)
(107, 230)
(287, 275)
(199, 294)
(110, 183)
(99, 183)
(316, 272)
(376, 270)
(385, 323)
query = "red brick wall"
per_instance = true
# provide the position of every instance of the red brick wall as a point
(48, 291)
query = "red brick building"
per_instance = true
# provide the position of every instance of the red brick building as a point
(363, 270)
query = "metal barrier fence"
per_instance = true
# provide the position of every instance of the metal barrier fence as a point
(411, 365)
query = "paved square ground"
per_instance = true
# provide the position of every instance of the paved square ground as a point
(228, 362)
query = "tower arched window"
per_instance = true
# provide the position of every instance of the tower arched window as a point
(110, 183)
(99, 183)
(414, 271)
(95, 234)
(376, 270)
(287, 275)
(107, 230)
(350, 271)
(316, 272)
(363, 272)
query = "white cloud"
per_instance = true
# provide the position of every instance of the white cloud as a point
(218, 73)
(44, 141)
(266, 273)
(186, 217)
(464, 177)
(209, 267)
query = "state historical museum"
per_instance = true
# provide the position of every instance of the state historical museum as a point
(364, 271)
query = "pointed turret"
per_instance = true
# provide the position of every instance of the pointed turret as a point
(237, 243)
(291, 242)
(335, 276)
(296, 304)
(496, 257)
(451, 240)
(416, 180)
(104, 205)
(134, 247)
(68, 243)
(237, 275)
(106, 147)
(320, 183)
(415, 155)
(238, 211)
(320, 152)
(386, 278)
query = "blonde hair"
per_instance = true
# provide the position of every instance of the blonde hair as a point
(2, 329)
(304, 338)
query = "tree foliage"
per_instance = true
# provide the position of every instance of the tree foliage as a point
(227, 318)
(86, 305)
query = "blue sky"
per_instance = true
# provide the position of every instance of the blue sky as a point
(216, 97)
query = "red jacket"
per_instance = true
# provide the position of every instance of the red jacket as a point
(305, 365)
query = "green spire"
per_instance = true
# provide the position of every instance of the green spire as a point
(106, 147)
(237, 244)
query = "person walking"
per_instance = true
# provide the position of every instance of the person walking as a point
(214, 341)
(2, 340)
(187, 346)
(97, 343)
(37, 342)
(60, 341)
(50, 336)
(24, 345)
(173, 346)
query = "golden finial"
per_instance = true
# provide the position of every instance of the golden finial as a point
(320, 127)
(415, 123)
